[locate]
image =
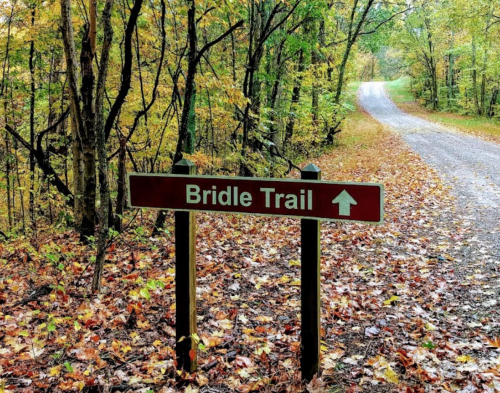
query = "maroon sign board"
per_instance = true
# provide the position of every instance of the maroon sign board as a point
(358, 202)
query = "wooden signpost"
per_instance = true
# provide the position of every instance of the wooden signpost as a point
(310, 199)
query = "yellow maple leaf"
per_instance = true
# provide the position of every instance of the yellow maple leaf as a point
(390, 375)
(393, 299)
(284, 279)
(55, 371)
(464, 359)
(157, 343)
(126, 349)
(79, 385)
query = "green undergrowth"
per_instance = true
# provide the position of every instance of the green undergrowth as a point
(400, 93)
(399, 90)
(473, 124)
(351, 93)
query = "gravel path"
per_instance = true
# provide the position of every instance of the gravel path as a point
(469, 165)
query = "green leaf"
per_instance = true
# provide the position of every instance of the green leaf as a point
(151, 284)
(429, 344)
(145, 293)
(53, 258)
(24, 333)
(51, 327)
(68, 366)
(160, 284)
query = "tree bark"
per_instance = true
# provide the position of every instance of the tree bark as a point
(187, 126)
(493, 102)
(122, 184)
(32, 121)
(315, 62)
(76, 115)
(474, 80)
(451, 66)
(88, 139)
(295, 100)
(483, 82)
(102, 150)
(3, 91)
(273, 99)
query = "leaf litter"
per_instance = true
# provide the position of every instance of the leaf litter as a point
(407, 306)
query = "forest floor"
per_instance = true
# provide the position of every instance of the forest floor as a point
(398, 300)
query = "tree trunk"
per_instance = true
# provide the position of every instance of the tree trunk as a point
(88, 139)
(450, 79)
(483, 83)
(102, 150)
(295, 101)
(8, 175)
(493, 102)
(3, 93)
(340, 80)
(121, 197)
(76, 115)
(77, 165)
(474, 80)
(187, 131)
(32, 122)
(435, 99)
(273, 99)
(315, 62)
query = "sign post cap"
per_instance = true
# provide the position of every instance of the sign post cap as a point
(311, 168)
(185, 162)
(185, 167)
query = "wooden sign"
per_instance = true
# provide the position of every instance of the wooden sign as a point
(361, 202)
(308, 198)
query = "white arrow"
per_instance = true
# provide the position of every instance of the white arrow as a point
(345, 201)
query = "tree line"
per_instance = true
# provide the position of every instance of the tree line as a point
(450, 49)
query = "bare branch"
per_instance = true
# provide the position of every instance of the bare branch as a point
(217, 40)
(126, 70)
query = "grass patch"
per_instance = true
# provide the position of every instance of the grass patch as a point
(351, 93)
(472, 124)
(399, 91)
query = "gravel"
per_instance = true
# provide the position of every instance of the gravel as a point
(469, 165)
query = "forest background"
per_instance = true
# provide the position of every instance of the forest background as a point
(92, 90)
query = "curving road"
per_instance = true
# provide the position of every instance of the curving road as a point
(470, 165)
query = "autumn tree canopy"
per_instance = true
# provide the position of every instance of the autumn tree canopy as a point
(245, 87)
